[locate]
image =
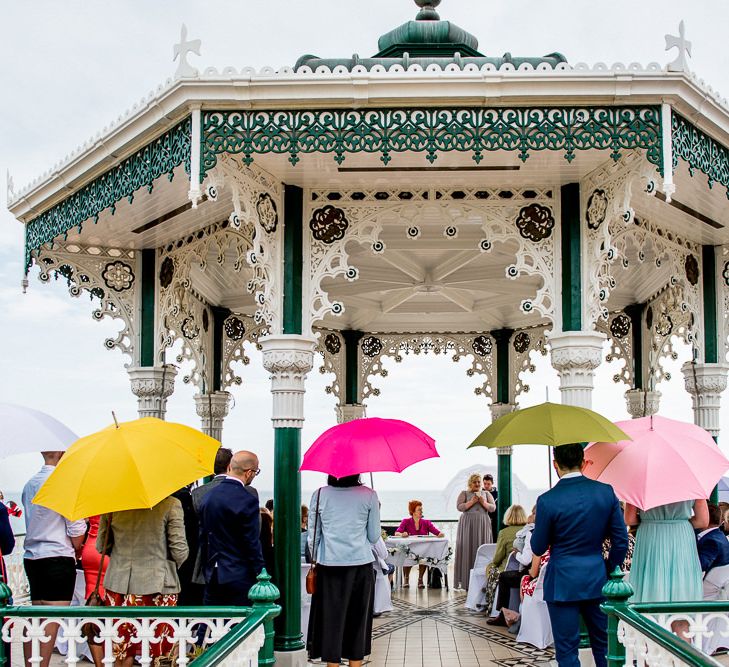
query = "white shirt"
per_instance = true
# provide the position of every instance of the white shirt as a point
(525, 555)
(571, 474)
(48, 534)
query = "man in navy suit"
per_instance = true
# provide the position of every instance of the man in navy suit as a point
(712, 543)
(573, 520)
(229, 536)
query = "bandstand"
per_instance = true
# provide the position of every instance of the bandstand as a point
(429, 199)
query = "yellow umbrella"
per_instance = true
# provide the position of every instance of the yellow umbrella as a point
(127, 466)
(549, 424)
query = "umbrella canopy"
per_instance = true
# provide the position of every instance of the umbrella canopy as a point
(130, 466)
(369, 445)
(550, 424)
(723, 488)
(667, 461)
(24, 431)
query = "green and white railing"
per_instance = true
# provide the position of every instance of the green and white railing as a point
(226, 635)
(641, 633)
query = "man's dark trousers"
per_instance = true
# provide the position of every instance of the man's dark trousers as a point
(508, 580)
(565, 620)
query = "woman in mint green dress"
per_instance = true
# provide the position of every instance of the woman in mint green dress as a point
(665, 564)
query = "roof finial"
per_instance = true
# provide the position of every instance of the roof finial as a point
(427, 10)
(684, 49)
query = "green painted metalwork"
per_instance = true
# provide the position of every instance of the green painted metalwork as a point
(287, 536)
(711, 338)
(617, 592)
(146, 327)
(431, 131)
(351, 360)
(635, 313)
(293, 258)
(141, 169)
(219, 316)
(571, 260)
(700, 151)
(503, 395)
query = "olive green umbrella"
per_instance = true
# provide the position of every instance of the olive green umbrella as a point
(550, 424)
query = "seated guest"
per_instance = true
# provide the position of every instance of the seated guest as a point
(529, 581)
(514, 520)
(713, 545)
(415, 525)
(509, 579)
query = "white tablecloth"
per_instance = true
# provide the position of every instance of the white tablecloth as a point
(408, 550)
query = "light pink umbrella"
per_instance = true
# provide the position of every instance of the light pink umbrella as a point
(369, 445)
(666, 461)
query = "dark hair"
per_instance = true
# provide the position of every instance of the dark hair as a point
(344, 482)
(488, 477)
(222, 460)
(269, 505)
(569, 456)
(714, 514)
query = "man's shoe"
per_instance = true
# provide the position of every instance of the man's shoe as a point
(498, 621)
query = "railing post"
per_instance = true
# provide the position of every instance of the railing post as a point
(264, 595)
(616, 592)
(5, 597)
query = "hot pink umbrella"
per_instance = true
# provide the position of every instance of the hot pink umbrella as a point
(665, 462)
(369, 445)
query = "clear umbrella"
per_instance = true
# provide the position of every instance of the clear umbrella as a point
(24, 431)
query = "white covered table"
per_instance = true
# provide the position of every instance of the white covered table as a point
(409, 551)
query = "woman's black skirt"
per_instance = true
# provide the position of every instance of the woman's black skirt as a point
(340, 623)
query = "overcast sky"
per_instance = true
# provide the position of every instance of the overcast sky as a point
(71, 67)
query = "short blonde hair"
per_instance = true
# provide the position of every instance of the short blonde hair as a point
(515, 516)
(473, 478)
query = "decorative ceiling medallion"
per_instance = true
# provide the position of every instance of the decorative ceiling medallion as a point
(332, 343)
(267, 213)
(482, 345)
(371, 346)
(205, 320)
(649, 317)
(664, 326)
(691, 265)
(118, 276)
(190, 330)
(620, 326)
(535, 222)
(234, 328)
(596, 209)
(328, 224)
(522, 341)
(166, 272)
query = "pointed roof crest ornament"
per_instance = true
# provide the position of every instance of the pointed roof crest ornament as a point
(181, 50)
(680, 64)
(427, 10)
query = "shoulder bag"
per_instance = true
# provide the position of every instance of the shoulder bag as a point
(311, 574)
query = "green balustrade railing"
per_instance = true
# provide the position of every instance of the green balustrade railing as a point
(263, 595)
(616, 606)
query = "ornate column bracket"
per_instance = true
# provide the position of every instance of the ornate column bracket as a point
(152, 385)
(705, 383)
(350, 411)
(642, 403)
(288, 358)
(500, 410)
(575, 356)
(213, 409)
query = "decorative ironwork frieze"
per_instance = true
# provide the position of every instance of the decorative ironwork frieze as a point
(118, 276)
(140, 170)
(699, 151)
(617, 329)
(166, 272)
(328, 224)
(431, 131)
(597, 206)
(691, 267)
(535, 222)
(520, 362)
(267, 213)
(331, 346)
(239, 331)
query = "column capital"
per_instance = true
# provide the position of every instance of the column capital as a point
(350, 411)
(642, 403)
(152, 385)
(501, 409)
(575, 355)
(288, 358)
(213, 409)
(705, 383)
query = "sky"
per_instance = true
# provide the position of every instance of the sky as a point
(71, 67)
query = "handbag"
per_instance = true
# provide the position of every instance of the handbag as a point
(311, 574)
(90, 630)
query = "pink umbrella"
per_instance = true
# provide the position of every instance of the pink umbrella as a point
(666, 461)
(369, 445)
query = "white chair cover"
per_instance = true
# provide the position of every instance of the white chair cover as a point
(536, 628)
(716, 587)
(476, 599)
(383, 599)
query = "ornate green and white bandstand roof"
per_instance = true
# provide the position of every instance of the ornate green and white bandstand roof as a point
(427, 199)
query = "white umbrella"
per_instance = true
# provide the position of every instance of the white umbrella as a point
(24, 431)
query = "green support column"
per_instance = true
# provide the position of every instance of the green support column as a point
(571, 261)
(503, 406)
(146, 328)
(635, 313)
(351, 372)
(219, 317)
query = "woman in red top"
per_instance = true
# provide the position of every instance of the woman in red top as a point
(412, 526)
(91, 558)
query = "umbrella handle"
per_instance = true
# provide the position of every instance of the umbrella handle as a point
(115, 421)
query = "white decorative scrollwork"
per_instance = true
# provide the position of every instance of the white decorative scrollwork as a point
(523, 343)
(618, 330)
(332, 348)
(373, 348)
(239, 330)
(106, 274)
